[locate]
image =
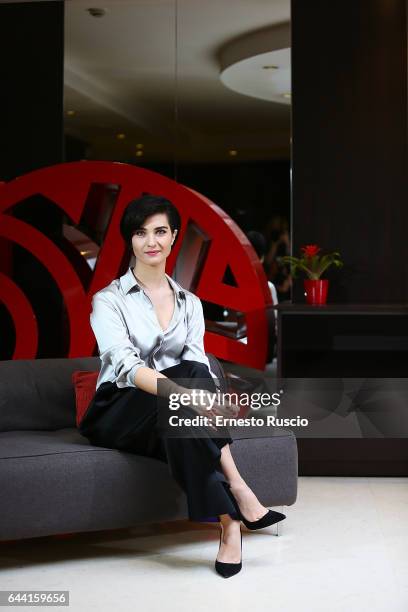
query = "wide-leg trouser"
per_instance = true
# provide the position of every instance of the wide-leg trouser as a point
(127, 419)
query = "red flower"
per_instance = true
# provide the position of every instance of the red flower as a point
(310, 250)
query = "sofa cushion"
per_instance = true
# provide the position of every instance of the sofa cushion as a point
(56, 482)
(18, 444)
(38, 393)
(85, 388)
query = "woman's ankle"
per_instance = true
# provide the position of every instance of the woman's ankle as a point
(230, 531)
(227, 521)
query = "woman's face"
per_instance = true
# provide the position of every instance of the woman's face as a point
(152, 242)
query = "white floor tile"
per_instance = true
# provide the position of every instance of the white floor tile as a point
(342, 548)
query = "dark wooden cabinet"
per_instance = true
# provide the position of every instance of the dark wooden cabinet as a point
(346, 341)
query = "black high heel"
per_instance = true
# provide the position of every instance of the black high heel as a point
(226, 570)
(268, 519)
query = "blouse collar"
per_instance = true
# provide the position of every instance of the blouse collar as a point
(129, 282)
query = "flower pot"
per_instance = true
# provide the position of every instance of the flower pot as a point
(316, 291)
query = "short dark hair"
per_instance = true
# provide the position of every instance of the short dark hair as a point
(137, 211)
(258, 242)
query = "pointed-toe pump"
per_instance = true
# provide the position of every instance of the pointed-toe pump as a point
(226, 570)
(270, 518)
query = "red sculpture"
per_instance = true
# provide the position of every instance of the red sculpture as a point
(68, 186)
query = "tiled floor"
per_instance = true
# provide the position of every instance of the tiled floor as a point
(342, 548)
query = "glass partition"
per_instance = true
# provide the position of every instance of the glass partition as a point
(201, 93)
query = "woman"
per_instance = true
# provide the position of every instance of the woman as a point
(150, 332)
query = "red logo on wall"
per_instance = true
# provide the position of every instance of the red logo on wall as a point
(210, 243)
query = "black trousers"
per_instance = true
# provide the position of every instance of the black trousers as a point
(127, 419)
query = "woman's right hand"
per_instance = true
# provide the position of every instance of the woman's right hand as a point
(201, 401)
(206, 403)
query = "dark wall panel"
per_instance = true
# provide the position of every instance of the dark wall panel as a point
(31, 77)
(349, 95)
(31, 136)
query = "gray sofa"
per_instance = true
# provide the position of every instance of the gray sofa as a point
(52, 481)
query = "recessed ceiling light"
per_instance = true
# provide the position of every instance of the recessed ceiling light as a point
(287, 95)
(140, 145)
(139, 153)
(270, 67)
(233, 152)
(70, 113)
(96, 12)
(121, 136)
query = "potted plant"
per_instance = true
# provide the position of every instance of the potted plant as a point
(313, 265)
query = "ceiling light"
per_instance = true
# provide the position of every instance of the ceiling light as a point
(70, 113)
(96, 12)
(140, 145)
(121, 136)
(270, 67)
(139, 153)
(233, 152)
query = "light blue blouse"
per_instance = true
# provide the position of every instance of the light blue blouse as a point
(129, 334)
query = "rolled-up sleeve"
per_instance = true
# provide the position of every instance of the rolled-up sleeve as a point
(194, 344)
(114, 344)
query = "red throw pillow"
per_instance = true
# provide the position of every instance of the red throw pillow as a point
(85, 388)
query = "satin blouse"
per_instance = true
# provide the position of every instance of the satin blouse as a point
(129, 334)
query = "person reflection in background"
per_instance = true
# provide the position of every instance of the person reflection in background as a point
(258, 242)
(278, 231)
